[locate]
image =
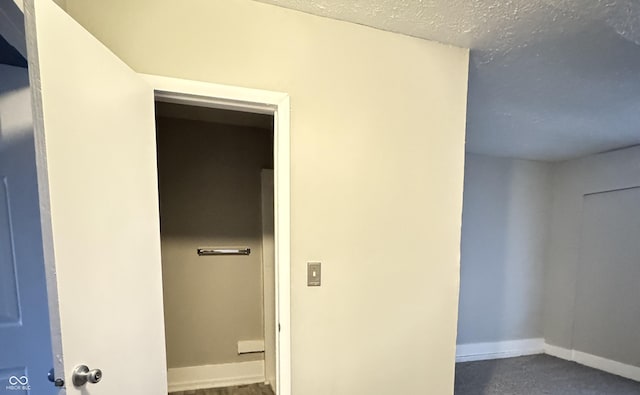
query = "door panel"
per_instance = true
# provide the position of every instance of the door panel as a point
(12, 379)
(95, 135)
(25, 344)
(9, 303)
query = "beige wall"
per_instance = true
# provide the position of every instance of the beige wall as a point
(377, 146)
(210, 195)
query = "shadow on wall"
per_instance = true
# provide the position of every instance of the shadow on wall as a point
(212, 172)
(483, 258)
(210, 196)
(485, 236)
(10, 56)
(504, 236)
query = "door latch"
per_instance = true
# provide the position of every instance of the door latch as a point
(57, 382)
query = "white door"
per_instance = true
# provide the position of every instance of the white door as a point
(96, 156)
(25, 345)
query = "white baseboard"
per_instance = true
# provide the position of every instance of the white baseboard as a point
(559, 352)
(593, 361)
(516, 348)
(497, 350)
(215, 376)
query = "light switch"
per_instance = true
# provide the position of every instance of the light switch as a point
(313, 274)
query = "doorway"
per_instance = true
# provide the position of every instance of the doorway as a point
(215, 173)
(204, 95)
(98, 203)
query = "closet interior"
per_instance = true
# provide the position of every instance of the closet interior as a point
(215, 182)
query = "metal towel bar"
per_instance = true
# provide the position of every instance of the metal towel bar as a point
(206, 251)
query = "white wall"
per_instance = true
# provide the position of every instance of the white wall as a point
(505, 223)
(566, 272)
(377, 145)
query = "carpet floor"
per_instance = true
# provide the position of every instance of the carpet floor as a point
(538, 375)
(253, 389)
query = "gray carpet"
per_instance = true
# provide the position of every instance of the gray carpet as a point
(538, 375)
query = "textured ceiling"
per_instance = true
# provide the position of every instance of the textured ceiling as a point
(548, 79)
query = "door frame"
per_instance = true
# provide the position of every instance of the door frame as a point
(204, 94)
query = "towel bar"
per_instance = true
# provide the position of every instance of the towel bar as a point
(205, 251)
